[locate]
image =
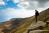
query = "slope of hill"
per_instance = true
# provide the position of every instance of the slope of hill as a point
(11, 24)
(44, 16)
(15, 24)
(23, 26)
(19, 25)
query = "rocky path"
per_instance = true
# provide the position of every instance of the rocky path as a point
(39, 31)
(35, 25)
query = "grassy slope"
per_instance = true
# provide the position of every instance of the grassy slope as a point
(28, 21)
(23, 27)
(43, 15)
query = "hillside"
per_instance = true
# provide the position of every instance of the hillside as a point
(15, 23)
(44, 16)
(20, 25)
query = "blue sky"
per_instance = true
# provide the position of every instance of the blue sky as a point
(7, 4)
(20, 8)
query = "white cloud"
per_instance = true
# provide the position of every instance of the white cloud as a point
(24, 12)
(29, 4)
(17, 13)
(47, 4)
(2, 2)
(25, 3)
(33, 4)
(41, 9)
(16, 1)
(21, 13)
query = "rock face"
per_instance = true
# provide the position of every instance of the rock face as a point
(19, 25)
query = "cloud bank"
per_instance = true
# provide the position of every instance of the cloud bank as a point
(2, 2)
(16, 13)
(26, 8)
(34, 4)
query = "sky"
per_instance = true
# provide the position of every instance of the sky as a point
(21, 8)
